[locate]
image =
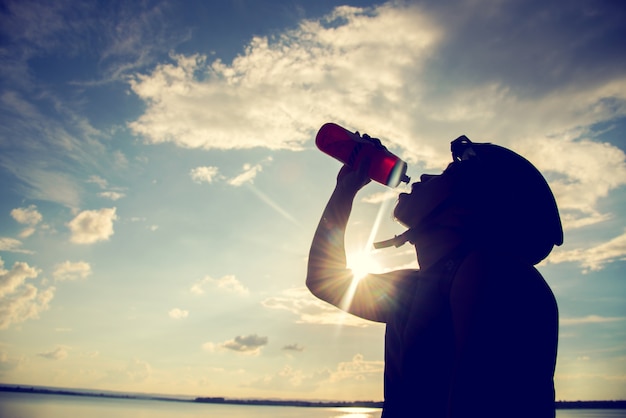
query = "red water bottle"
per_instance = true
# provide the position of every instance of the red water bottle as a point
(351, 148)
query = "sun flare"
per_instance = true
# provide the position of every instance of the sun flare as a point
(362, 263)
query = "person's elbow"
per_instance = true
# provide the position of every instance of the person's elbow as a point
(327, 284)
(313, 281)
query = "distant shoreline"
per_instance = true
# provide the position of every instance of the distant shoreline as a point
(608, 404)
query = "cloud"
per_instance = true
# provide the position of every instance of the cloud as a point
(125, 37)
(12, 245)
(290, 379)
(210, 174)
(20, 301)
(277, 91)
(133, 372)
(102, 183)
(42, 160)
(380, 197)
(112, 195)
(206, 174)
(27, 302)
(590, 319)
(293, 347)
(7, 363)
(10, 280)
(177, 313)
(405, 72)
(228, 283)
(593, 258)
(249, 344)
(310, 310)
(138, 370)
(59, 353)
(357, 369)
(71, 270)
(27, 216)
(91, 226)
(247, 176)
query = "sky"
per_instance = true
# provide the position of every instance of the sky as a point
(160, 184)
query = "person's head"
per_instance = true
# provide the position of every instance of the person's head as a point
(495, 197)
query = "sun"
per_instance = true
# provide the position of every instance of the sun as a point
(362, 263)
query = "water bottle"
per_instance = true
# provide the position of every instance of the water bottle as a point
(351, 149)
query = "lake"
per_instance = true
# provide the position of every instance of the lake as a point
(27, 405)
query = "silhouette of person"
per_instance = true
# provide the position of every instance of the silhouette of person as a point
(474, 331)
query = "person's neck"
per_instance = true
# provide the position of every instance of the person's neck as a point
(434, 244)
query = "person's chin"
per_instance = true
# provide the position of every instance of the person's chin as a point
(401, 214)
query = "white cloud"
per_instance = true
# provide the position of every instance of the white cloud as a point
(112, 195)
(27, 302)
(91, 226)
(46, 147)
(71, 270)
(138, 370)
(209, 347)
(290, 379)
(293, 347)
(59, 353)
(247, 176)
(133, 372)
(206, 174)
(311, 310)
(7, 363)
(393, 71)
(102, 183)
(244, 344)
(590, 319)
(586, 172)
(380, 197)
(358, 369)
(277, 92)
(593, 258)
(19, 300)
(10, 280)
(27, 216)
(177, 313)
(12, 245)
(228, 283)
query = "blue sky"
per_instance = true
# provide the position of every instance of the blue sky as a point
(160, 184)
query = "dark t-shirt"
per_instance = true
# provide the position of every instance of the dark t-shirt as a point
(419, 346)
(506, 366)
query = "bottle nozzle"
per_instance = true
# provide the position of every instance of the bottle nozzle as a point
(405, 179)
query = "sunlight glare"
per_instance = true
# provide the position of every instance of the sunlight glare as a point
(361, 263)
(355, 412)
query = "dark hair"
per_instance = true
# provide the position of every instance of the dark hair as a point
(510, 203)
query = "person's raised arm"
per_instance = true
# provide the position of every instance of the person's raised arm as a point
(375, 296)
(328, 277)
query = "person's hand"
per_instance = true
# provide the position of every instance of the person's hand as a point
(350, 180)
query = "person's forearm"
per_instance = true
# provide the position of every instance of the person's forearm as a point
(328, 277)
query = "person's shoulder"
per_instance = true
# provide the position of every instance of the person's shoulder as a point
(484, 270)
(485, 261)
(484, 274)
